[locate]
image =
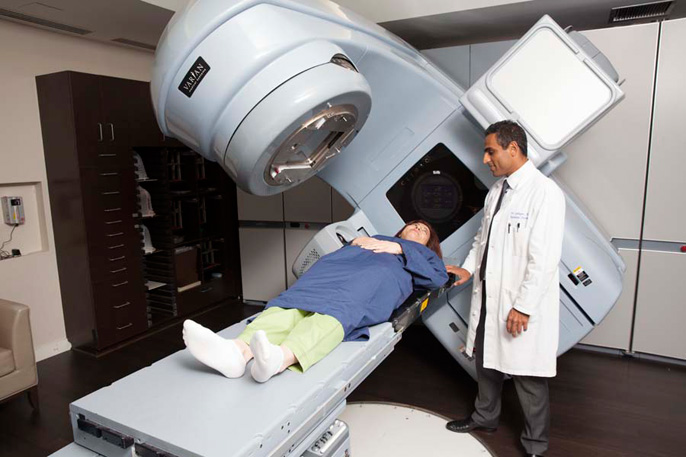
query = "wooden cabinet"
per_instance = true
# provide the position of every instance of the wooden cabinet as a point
(92, 127)
(194, 255)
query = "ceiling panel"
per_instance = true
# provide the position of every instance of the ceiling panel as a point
(139, 21)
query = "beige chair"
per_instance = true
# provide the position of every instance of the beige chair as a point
(17, 359)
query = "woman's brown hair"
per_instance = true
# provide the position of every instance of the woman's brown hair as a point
(434, 243)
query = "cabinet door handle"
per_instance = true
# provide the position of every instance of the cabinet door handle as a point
(114, 192)
(114, 259)
(118, 221)
(123, 305)
(118, 271)
(111, 130)
(99, 132)
(112, 235)
(109, 210)
(120, 284)
(125, 326)
(115, 247)
(206, 290)
(109, 174)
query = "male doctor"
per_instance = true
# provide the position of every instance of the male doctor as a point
(514, 323)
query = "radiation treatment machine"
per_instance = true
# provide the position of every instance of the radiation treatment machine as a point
(277, 91)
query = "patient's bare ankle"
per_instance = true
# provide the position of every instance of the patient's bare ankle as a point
(244, 348)
(288, 358)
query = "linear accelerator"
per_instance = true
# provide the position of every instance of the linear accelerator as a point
(278, 91)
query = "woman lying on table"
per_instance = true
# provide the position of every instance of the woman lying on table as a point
(336, 300)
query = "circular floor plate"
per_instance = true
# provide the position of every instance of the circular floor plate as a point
(378, 429)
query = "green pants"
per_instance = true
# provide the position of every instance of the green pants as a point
(311, 336)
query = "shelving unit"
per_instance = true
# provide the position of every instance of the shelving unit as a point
(113, 286)
(188, 196)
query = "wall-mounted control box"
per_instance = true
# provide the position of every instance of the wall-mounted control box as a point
(13, 210)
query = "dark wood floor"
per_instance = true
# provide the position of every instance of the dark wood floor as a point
(601, 405)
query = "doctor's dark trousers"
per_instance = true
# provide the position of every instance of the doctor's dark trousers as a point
(531, 390)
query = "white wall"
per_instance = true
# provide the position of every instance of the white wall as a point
(30, 236)
(385, 10)
(25, 53)
(607, 164)
(609, 161)
(665, 218)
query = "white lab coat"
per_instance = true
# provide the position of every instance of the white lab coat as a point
(521, 273)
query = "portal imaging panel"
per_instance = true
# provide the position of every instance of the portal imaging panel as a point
(439, 189)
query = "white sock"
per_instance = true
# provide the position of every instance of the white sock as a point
(268, 357)
(214, 351)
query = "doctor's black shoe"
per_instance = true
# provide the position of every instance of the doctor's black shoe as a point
(466, 425)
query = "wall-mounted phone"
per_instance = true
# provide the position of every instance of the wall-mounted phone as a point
(13, 210)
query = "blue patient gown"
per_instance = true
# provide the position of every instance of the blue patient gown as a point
(360, 288)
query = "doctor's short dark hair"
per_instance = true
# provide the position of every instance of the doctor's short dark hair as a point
(508, 131)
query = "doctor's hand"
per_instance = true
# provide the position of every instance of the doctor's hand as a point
(462, 274)
(377, 246)
(517, 322)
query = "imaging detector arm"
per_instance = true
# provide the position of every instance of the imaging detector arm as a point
(554, 84)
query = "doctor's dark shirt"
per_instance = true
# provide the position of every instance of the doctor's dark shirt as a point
(360, 288)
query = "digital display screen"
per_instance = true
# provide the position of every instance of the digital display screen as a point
(440, 189)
